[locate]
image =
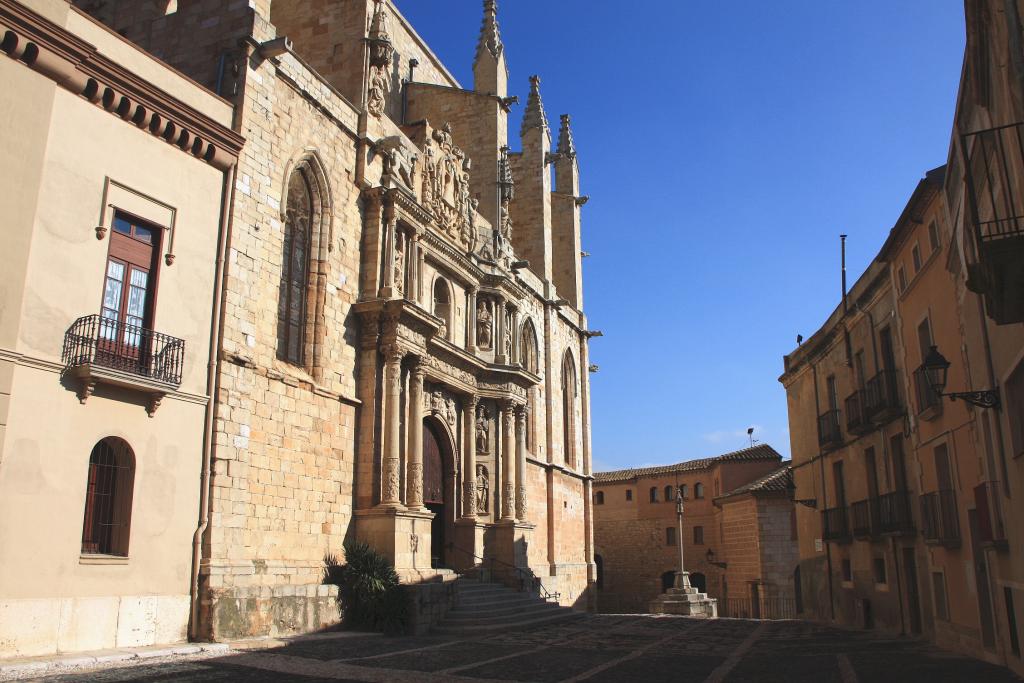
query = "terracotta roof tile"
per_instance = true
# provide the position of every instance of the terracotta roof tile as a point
(760, 452)
(779, 480)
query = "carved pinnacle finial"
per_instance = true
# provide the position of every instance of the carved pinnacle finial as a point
(490, 35)
(566, 145)
(535, 116)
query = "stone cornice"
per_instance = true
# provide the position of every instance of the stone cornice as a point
(78, 66)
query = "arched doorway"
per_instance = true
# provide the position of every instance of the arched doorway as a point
(699, 581)
(438, 466)
(668, 579)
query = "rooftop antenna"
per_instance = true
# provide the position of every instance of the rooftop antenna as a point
(750, 435)
(842, 239)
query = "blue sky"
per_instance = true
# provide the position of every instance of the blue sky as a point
(725, 146)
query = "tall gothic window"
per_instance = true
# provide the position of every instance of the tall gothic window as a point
(292, 297)
(569, 394)
(443, 307)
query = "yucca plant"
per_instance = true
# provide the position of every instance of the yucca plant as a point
(371, 595)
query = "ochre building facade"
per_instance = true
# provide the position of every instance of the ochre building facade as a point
(400, 354)
(907, 406)
(738, 540)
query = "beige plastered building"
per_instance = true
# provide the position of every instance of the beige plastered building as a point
(401, 350)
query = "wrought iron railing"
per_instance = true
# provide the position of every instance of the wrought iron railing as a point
(98, 341)
(856, 416)
(881, 394)
(836, 522)
(994, 160)
(757, 608)
(927, 398)
(864, 517)
(829, 433)
(939, 520)
(894, 513)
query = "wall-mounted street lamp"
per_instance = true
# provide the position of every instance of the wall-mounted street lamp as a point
(936, 370)
(711, 560)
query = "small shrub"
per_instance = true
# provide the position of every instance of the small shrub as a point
(370, 593)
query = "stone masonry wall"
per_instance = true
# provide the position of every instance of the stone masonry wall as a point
(285, 439)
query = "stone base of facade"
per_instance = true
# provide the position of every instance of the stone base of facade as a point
(45, 626)
(268, 611)
(430, 602)
(401, 535)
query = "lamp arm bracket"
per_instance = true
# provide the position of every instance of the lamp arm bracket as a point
(988, 398)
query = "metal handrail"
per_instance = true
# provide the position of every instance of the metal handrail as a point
(524, 575)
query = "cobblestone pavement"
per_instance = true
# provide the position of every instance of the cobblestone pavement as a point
(601, 648)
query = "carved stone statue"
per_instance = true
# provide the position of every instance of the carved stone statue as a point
(399, 277)
(483, 429)
(483, 490)
(508, 339)
(381, 52)
(483, 325)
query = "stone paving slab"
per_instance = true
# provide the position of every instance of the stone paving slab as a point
(600, 649)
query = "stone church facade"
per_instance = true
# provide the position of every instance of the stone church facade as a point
(403, 350)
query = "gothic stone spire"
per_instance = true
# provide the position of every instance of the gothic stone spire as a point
(490, 36)
(566, 145)
(535, 116)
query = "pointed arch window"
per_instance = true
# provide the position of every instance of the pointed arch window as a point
(108, 498)
(292, 300)
(569, 395)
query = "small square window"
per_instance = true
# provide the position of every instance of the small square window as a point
(880, 576)
(847, 570)
(901, 279)
(933, 236)
(629, 494)
(670, 535)
(698, 535)
(915, 254)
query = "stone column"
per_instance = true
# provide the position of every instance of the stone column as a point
(521, 421)
(513, 317)
(508, 462)
(414, 476)
(471, 323)
(389, 471)
(388, 250)
(421, 259)
(499, 331)
(469, 404)
(412, 259)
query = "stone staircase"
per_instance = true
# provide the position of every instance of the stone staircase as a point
(482, 607)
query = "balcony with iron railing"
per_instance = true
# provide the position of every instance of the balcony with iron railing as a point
(864, 518)
(929, 402)
(829, 433)
(994, 163)
(856, 416)
(882, 396)
(894, 513)
(100, 350)
(940, 523)
(836, 524)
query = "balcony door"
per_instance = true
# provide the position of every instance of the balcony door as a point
(129, 287)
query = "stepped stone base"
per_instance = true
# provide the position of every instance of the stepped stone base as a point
(683, 599)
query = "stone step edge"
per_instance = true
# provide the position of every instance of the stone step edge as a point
(498, 611)
(459, 619)
(462, 630)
